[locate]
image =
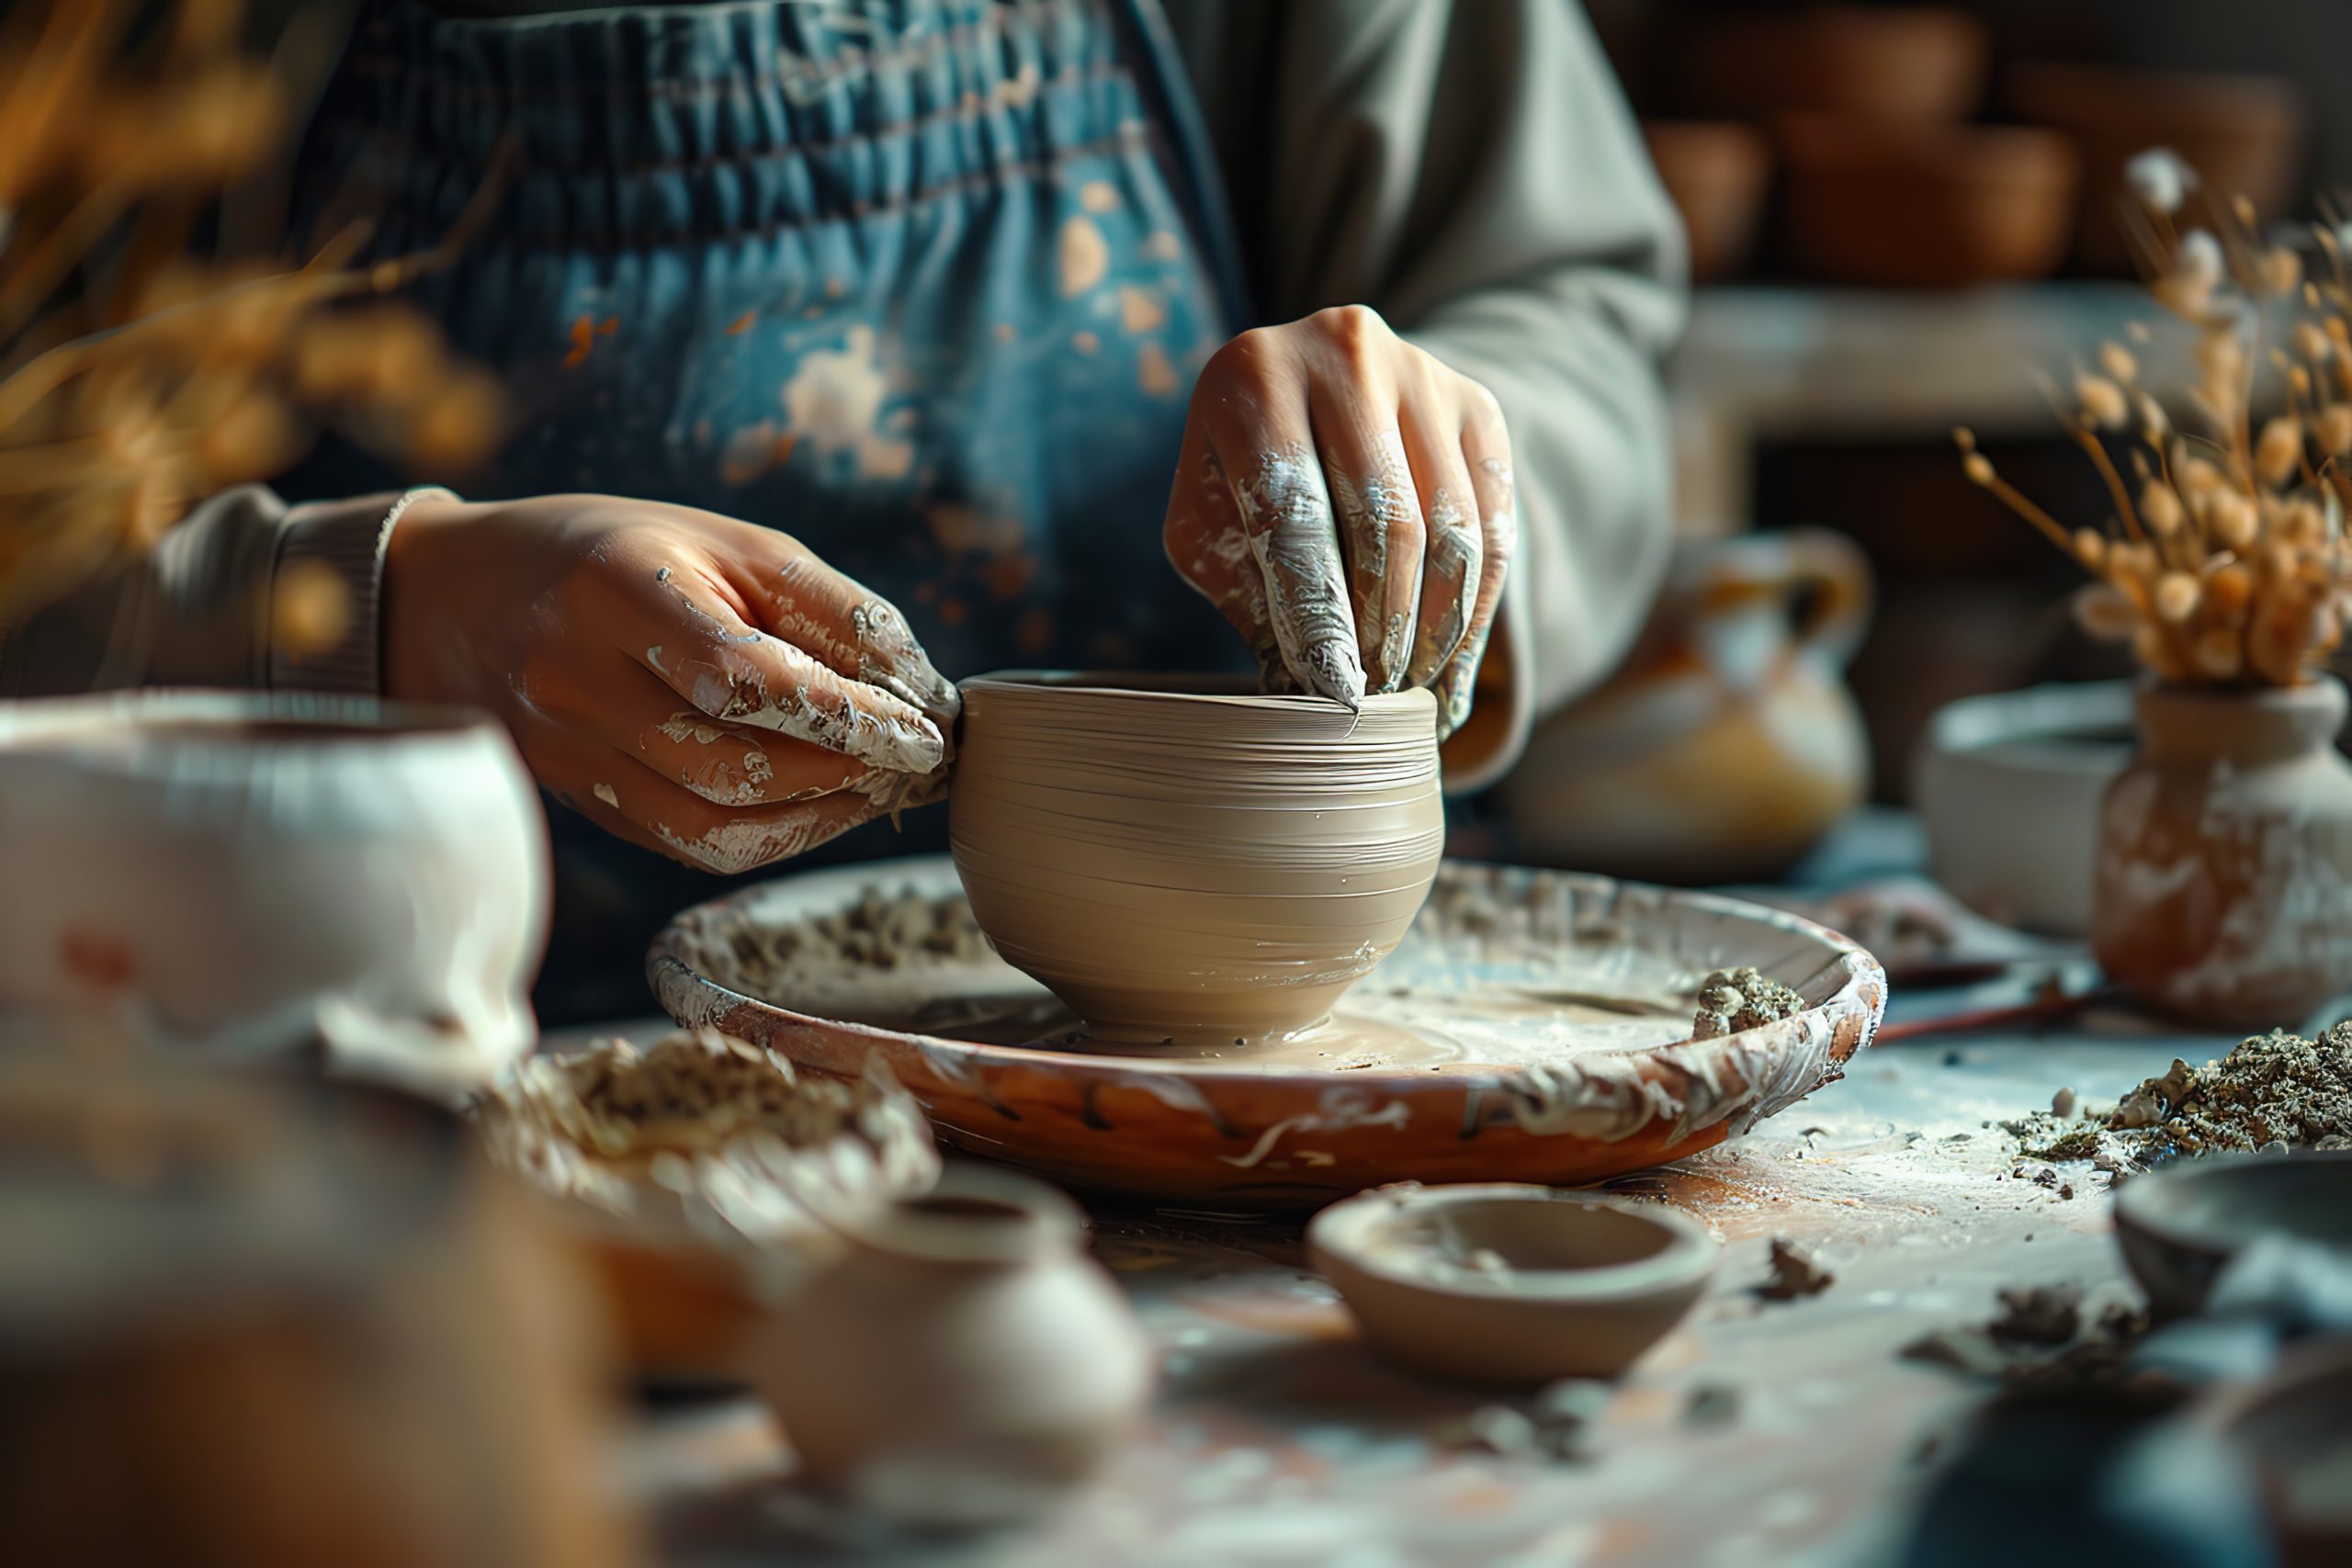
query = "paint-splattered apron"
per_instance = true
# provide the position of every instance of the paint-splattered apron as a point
(924, 283)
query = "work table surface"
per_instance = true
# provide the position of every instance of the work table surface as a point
(1276, 1437)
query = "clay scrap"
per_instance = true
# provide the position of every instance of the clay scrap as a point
(1734, 1000)
(2274, 1090)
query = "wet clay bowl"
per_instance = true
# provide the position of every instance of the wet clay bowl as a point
(1189, 862)
(1508, 1284)
(2179, 1227)
(1532, 1026)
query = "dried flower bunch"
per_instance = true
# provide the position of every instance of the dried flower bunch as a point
(2224, 561)
(711, 1129)
(138, 376)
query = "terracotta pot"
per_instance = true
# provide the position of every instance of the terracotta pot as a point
(248, 1324)
(1193, 865)
(964, 1362)
(253, 876)
(1897, 63)
(2243, 134)
(1925, 206)
(1728, 744)
(2224, 891)
(1716, 172)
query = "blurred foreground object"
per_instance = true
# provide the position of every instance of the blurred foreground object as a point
(2010, 787)
(244, 1323)
(1726, 744)
(964, 1362)
(248, 876)
(138, 375)
(704, 1178)
(2224, 884)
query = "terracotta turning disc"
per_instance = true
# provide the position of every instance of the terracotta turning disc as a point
(1534, 1026)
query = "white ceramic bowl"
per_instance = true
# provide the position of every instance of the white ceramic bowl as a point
(2010, 788)
(1511, 1284)
(261, 875)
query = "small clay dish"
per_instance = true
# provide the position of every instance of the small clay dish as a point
(2179, 1227)
(1509, 1284)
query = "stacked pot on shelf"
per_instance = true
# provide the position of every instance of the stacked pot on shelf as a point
(1864, 133)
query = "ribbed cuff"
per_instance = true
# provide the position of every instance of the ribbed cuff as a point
(347, 538)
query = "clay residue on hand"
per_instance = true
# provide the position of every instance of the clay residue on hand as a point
(1734, 1000)
(1287, 513)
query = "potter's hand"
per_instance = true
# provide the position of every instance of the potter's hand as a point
(701, 686)
(1346, 499)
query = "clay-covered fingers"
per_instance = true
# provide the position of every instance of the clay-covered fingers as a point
(852, 630)
(619, 793)
(1433, 422)
(1210, 549)
(1485, 451)
(1252, 411)
(704, 651)
(1380, 521)
(727, 764)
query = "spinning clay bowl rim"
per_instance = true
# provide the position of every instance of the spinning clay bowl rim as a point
(1351, 1232)
(1234, 691)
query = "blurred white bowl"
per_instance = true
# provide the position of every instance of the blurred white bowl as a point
(2010, 787)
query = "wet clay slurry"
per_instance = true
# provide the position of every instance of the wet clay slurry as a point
(1194, 868)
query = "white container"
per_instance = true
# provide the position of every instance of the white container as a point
(253, 876)
(2009, 789)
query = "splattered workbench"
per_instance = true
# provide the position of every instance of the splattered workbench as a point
(1761, 1432)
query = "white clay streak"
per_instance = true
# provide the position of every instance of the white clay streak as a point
(753, 678)
(1288, 514)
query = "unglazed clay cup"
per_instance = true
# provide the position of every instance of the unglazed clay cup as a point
(1509, 1284)
(1185, 861)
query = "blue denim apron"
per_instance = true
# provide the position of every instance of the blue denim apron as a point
(924, 283)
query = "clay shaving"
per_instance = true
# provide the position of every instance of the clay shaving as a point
(1734, 1000)
(711, 1128)
(1795, 1273)
(2277, 1089)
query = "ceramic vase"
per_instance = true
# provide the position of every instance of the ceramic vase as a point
(963, 1362)
(263, 877)
(2224, 884)
(1726, 744)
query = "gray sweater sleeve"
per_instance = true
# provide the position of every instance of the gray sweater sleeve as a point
(198, 609)
(1469, 169)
